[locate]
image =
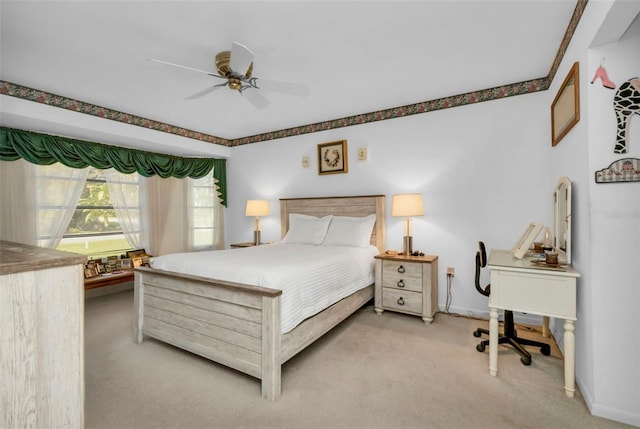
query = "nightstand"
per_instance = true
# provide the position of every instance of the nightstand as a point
(247, 244)
(407, 284)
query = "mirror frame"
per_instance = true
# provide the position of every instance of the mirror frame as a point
(562, 218)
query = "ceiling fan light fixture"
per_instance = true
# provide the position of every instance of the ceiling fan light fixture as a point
(223, 60)
(235, 83)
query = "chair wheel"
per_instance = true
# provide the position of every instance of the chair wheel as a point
(480, 347)
(525, 361)
(477, 334)
(545, 350)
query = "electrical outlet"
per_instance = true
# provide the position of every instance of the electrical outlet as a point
(451, 272)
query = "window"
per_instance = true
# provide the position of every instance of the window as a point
(204, 209)
(94, 226)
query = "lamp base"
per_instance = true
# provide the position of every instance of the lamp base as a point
(407, 245)
(256, 238)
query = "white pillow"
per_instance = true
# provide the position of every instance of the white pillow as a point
(305, 229)
(350, 231)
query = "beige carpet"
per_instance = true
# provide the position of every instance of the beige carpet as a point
(387, 371)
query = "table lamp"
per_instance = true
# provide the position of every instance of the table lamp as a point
(257, 208)
(407, 205)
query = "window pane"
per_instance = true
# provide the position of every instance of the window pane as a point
(47, 218)
(96, 246)
(202, 217)
(202, 238)
(86, 221)
(54, 192)
(203, 197)
(208, 180)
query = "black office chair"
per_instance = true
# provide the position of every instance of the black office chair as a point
(509, 336)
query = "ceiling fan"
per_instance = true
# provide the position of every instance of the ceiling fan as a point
(236, 67)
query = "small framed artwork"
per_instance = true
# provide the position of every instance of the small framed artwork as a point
(126, 264)
(332, 157)
(139, 252)
(90, 271)
(137, 262)
(565, 110)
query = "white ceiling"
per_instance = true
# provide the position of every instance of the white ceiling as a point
(355, 56)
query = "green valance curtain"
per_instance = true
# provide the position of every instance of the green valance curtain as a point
(45, 149)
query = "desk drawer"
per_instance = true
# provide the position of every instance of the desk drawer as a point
(402, 300)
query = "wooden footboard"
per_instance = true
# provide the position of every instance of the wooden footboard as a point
(233, 324)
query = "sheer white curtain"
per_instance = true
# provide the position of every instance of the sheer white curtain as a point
(125, 193)
(57, 194)
(38, 201)
(18, 220)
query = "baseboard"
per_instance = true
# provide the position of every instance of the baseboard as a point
(106, 290)
(523, 318)
(604, 411)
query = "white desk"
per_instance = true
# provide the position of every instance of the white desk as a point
(519, 285)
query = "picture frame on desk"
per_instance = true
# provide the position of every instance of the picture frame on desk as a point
(126, 264)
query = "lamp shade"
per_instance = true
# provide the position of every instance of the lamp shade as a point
(405, 205)
(257, 208)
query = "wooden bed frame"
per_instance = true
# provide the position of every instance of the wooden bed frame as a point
(238, 325)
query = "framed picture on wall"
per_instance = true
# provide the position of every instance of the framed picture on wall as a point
(332, 157)
(565, 110)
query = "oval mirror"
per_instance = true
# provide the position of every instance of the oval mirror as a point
(562, 218)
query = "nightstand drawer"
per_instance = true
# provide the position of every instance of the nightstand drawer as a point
(399, 281)
(401, 268)
(399, 300)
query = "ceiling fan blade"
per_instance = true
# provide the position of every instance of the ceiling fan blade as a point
(291, 88)
(206, 91)
(255, 98)
(185, 67)
(241, 58)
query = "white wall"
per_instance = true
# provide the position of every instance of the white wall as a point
(481, 176)
(615, 241)
(606, 218)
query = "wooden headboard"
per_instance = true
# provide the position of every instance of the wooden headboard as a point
(356, 206)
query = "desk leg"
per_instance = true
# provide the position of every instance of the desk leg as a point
(493, 341)
(569, 358)
(545, 327)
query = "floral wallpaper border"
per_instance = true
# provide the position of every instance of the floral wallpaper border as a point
(540, 84)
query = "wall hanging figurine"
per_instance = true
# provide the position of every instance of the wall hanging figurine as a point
(626, 102)
(602, 74)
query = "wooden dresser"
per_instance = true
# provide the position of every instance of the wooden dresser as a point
(42, 333)
(407, 284)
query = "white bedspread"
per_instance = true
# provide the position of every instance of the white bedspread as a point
(311, 277)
